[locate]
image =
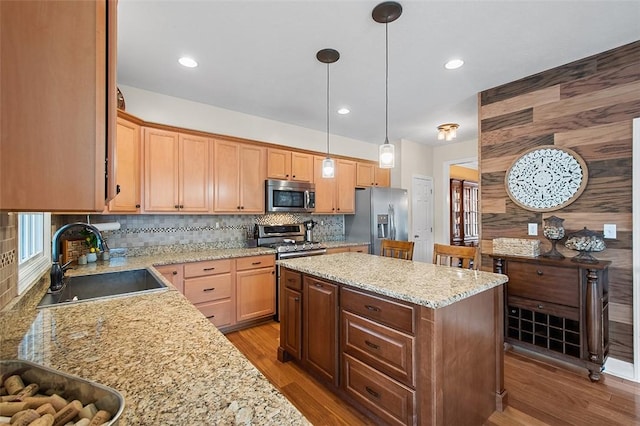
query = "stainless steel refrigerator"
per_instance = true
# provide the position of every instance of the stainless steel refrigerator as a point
(380, 213)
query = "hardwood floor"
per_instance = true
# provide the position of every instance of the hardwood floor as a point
(539, 393)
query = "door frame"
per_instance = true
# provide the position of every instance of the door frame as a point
(446, 195)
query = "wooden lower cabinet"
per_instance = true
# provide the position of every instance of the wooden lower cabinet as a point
(174, 274)
(398, 363)
(320, 328)
(255, 288)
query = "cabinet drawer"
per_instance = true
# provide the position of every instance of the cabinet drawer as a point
(544, 283)
(255, 262)
(384, 348)
(218, 312)
(545, 307)
(206, 289)
(386, 398)
(291, 279)
(385, 311)
(208, 267)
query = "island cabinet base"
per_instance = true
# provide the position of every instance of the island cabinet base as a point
(400, 363)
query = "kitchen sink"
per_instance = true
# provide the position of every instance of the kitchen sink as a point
(102, 286)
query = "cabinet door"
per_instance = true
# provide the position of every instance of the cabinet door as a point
(292, 322)
(365, 174)
(161, 170)
(346, 186)
(252, 177)
(226, 176)
(301, 167)
(455, 187)
(382, 177)
(58, 102)
(325, 188)
(320, 336)
(194, 173)
(256, 294)
(278, 163)
(173, 274)
(127, 170)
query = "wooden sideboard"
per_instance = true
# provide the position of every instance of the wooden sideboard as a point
(559, 308)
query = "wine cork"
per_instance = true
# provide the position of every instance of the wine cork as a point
(101, 416)
(10, 398)
(13, 384)
(55, 400)
(83, 422)
(46, 420)
(46, 409)
(29, 390)
(67, 413)
(88, 411)
(10, 408)
(24, 417)
(4, 420)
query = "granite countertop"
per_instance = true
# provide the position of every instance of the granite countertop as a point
(424, 284)
(169, 362)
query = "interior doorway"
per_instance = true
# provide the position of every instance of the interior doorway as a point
(422, 218)
(469, 162)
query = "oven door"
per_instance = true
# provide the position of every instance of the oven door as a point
(291, 255)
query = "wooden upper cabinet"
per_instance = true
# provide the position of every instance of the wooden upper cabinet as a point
(337, 194)
(58, 102)
(369, 174)
(239, 175)
(127, 171)
(289, 165)
(177, 170)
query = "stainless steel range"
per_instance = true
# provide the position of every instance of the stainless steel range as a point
(289, 242)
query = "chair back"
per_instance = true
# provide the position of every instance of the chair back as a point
(456, 256)
(397, 249)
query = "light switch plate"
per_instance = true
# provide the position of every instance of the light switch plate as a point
(533, 229)
(610, 230)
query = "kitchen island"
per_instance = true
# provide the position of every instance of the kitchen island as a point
(169, 362)
(406, 342)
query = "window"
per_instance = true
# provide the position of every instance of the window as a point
(34, 247)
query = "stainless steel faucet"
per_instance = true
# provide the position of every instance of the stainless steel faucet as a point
(57, 271)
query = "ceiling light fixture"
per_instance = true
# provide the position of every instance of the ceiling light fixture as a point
(328, 56)
(447, 131)
(454, 64)
(187, 62)
(384, 13)
(343, 111)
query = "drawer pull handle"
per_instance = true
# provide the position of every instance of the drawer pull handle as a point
(256, 263)
(291, 280)
(209, 289)
(371, 345)
(318, 285)
(540, 306)
(539, 272)
(372, 308)
(208, 269)
(372, 392)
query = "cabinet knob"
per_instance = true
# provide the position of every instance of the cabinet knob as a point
(137, 206)
(241, 207)
(175, 206)
(539, 272)
(117, 189)
(540, 306)
(294, 176)
(238, 207)
(287, 176)
(174, 272)
(297, 299)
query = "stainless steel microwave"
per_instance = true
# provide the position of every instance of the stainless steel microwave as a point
(287, 196)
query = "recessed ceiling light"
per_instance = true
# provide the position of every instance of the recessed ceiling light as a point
(454, 64)
(343, 111)
(187, 62)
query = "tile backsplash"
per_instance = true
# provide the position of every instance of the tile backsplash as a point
(151, 234)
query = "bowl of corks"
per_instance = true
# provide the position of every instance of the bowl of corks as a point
(34, 395)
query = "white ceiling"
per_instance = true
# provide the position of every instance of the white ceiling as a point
(258, 57)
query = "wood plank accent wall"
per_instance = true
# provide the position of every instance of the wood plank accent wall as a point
(587, 106)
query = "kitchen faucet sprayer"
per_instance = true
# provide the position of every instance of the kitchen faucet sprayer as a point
(57, 271)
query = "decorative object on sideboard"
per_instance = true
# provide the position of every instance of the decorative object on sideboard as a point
(121, 104)
(585, 242)
(553, 230)
(546, 178)
(516, 247)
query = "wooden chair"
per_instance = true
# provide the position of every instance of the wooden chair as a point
(397, 249)
(456, 256)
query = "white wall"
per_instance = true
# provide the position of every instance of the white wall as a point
(443, 156)
(158, 108)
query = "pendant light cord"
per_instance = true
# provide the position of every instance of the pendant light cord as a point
(327, 110)
(386, 84)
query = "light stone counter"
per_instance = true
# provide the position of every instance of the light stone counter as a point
(424, 284)
(171, 364)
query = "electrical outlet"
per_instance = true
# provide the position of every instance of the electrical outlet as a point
(610, 230)
(533, 229)
(217, 225)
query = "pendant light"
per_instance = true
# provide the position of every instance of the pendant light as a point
(384, 13)
(328, 56)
